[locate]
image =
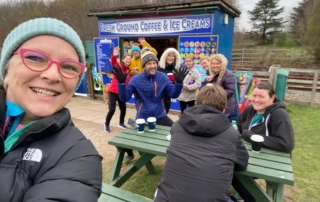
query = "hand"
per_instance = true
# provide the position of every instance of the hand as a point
(185, 87)
(141, 40)
(119, 74)
(209, 78)
(135, 72)
(116, 51)
(181, 75)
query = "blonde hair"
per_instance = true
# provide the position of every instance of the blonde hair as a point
(223, 61)
(205, 58)
(213, 96)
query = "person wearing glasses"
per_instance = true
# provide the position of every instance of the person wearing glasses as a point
(43, 156)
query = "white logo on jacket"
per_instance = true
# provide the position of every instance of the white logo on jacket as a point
(32, 154)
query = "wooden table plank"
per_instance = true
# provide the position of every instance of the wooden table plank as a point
(112, 193)
(267, 151)
(146, 139)
(271, 164)
(144, 147)
(269, 174)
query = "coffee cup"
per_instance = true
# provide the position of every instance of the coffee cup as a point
(140, 125)
(152, 123)
(257, 141)
(170, 74)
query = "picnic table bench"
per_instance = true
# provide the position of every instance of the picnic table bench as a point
(273, 166)
(114, 194)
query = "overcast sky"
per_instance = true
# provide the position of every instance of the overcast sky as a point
(247, 5)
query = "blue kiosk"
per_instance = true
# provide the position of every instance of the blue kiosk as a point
(196, 29)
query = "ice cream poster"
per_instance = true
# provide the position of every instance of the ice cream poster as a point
(197, 47)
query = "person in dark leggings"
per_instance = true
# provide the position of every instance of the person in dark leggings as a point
(113, 96)
(169, 64)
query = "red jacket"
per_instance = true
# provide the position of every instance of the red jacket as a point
(113, 88)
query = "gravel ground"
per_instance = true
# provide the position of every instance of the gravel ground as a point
(95, 132)
(301, 96)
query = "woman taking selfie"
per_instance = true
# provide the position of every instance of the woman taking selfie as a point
(43, 156)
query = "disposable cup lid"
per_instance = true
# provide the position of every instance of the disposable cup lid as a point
(209, 84)
(257, 138)
(169, 73)
(140, 121)
(151, 119)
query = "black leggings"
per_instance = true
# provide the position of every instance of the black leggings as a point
(242, 191)
(113, 98)
(183, 105)
(164, 121)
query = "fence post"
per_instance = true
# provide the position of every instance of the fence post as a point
(242, 55)
(314, 86)
(273, 75)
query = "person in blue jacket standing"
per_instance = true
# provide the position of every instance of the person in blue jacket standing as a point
(149, 88)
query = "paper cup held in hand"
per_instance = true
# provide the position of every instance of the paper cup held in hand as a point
(256, 143)
(169, 74)
(152, 123)
(140, 124)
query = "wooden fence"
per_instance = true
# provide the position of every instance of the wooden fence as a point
(298, 80)
(267, 57)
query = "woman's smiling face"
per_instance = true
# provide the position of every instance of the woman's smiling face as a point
(40, 94)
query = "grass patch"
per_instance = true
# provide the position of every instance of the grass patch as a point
(306, 164)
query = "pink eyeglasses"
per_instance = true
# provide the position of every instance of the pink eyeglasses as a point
(38, 61)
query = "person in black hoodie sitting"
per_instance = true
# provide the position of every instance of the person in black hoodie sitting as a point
(203, 152)
(266, 116)
(169, 64)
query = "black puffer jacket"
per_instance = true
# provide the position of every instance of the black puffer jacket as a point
(202, 155)
(51, 161)
(278, 134)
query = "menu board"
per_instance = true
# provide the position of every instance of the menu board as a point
(103, 48)
(198, 47)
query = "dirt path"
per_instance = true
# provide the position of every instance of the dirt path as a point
(95, 132)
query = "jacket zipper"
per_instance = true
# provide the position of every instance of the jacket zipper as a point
(140, 108)
(155, 89)
(24, 137)
(163, 108)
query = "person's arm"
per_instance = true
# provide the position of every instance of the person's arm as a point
(174, 90)
(197, 82)
(281, 136)
(229, 85)
(144, 43)
(114, 61)
(242, 156)
(76, 177)
(125, 91)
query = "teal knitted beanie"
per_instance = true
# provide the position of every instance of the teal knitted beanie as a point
(36, 27)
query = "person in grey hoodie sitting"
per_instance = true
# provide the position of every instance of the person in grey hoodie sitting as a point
(203, 153)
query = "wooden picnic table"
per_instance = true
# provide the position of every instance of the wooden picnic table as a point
(272, 166)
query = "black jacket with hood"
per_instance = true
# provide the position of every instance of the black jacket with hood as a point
(202, 155)
(275, 127)
(51, 161)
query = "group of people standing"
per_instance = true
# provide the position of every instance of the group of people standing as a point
(170, 64)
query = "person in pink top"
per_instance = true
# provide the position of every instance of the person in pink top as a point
(113, 90)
